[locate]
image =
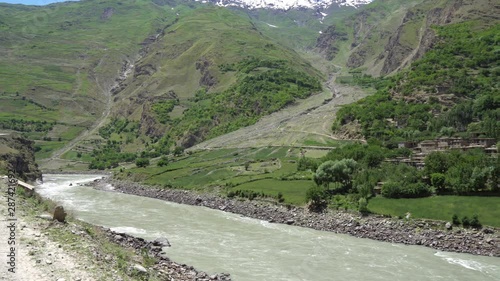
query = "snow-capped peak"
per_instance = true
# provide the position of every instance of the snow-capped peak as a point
(286, 4)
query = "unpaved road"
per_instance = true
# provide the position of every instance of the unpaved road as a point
(38, 256)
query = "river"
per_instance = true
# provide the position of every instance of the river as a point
(250, 249)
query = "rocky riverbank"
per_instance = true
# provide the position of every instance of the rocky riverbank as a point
(166, 268)
(435, 234)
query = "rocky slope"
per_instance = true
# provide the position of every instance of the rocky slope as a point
(17, 154)
(387, 36)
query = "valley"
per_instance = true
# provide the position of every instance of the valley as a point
(329, 112)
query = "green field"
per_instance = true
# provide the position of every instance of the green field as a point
(441, 207)
(294, 192)
(268, 170)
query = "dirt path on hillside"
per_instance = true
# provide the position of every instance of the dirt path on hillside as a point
(51, 162)
(38, 257)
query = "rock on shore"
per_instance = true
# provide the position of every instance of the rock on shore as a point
(428, 233)
(170, 269)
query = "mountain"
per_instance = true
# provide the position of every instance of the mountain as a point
(71, 72)
(388, 35)
(286, 4)
(96, 77)
(443, 62)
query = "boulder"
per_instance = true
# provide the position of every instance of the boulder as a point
(161, 241)
(139, 268)
(448, 225)
(59, 214)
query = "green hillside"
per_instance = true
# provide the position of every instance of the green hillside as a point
(58, 62)
(211, 72)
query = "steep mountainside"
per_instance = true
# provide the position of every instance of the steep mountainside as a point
(17, 155)
(209, 73)
(148, 76)
(59, 62)
(386, 36)
(451, 91)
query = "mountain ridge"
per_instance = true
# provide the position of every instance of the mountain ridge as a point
(285, 4)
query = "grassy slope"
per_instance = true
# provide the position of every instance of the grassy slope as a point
(63, 57)
(213, 37)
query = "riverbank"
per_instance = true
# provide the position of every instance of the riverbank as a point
(433, 234)
(75, 250)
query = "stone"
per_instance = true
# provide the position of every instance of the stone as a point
(161, 241)
(59, 214)
(488, 231)
(139, 268)
(448, 225)
(45, 217)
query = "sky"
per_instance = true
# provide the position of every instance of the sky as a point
(31, 2)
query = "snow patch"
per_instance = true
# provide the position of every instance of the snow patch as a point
(286, 4)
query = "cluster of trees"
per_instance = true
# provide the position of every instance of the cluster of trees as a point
(162, 110)
(26, 125)
(463, 173)
(351, 173)
(263, 87)
(109, 156)
(464, 63)
(118, 125)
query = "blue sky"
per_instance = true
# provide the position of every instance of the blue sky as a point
(31, 2)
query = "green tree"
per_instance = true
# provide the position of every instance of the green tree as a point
(438, 180)
(142, 162)
(178, 151)
(317, 197)
(163, 161)
(436, 162)
(340, 172)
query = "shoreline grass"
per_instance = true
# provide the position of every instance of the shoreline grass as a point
(441, 207)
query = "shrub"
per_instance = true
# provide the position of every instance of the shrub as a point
(465, 222)
(142, 162)
(455, 220)
(399, 190)
(163, 161)
(317, 196)
(363, 205)
(474, 222)
(305, 164)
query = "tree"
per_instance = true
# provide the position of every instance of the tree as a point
(163, 161)
(438, 181)
(142, 162)
(317, 197)
(340, 171)
(436, 162)
(178, 151)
